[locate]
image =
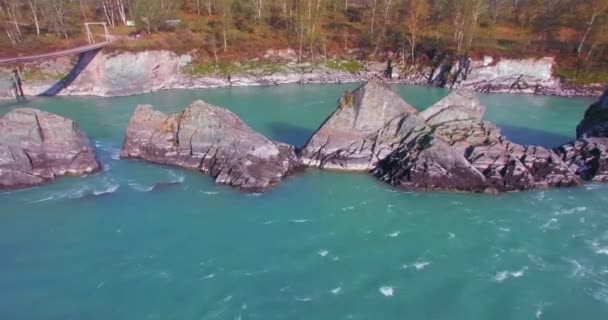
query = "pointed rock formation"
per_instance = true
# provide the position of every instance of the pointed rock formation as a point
(212, 140)
(445, 147)
(36, 147)
(358, 134)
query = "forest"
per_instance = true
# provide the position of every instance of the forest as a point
(573, 31)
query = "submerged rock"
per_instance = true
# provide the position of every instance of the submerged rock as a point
(36, 147)
(212, 140)
(360, 132)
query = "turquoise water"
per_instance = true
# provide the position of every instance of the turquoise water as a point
(322, 245)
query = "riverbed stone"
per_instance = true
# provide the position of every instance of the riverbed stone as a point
(211, 140)
(37, 146)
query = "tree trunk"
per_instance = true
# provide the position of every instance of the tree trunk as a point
(589, 26)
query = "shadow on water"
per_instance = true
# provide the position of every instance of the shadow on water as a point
(290, 134)
(534, 136)
(84, 59)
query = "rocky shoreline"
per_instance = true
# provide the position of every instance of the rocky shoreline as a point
(121, 74)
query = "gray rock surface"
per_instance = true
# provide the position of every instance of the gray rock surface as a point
(212, 140)
(360, 132)
(595, 121)
(36, 147)
(588, 156)
(461, 152)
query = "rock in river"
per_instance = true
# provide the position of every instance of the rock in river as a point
(595, 122)
(359, 133)
(445, 147)
(36, 147)
(212, 140)
(588, 156)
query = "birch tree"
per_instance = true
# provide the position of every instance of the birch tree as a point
(417, 12)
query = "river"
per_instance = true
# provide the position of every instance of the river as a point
(142, 241)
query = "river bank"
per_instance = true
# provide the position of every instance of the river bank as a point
(128, 73)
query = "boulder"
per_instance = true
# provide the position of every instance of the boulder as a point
(359, 133)
(588, 156)
(595, 122)
(36, 147)
(453, 149)
(212, 140)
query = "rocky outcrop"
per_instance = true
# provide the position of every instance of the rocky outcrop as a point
(127, 73)
(468, 154)
(36, 147)
(360, 132)
(588, 156)
(445, 147)
(211, 140)
(595, 122)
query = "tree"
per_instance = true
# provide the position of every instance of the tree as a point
(417, 12)
(466, 15)
(592, 9)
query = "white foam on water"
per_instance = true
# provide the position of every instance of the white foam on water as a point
(348, 208)
(394, 234)
(177, 178)
(253, 194)
(336, 291)
(421, 265)
(549, 224)
(268, 222)
(387, 291)
(210, 193)
(298, 220)
(323, 253)
(304, 299)
(140, 188)
(570, 211)
(418, 265)
(111, 188)
(451, 235)
(504, 275)
(503, 229)
(539, 312)
(227, 298)
(209, 276)
(601, 295)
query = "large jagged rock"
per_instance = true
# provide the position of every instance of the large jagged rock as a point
(595, 122)
(36, 147)
(359, 133)
(588, 156)
(456, 150)
(212, 140)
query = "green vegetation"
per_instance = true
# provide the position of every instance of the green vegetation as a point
(350, 66)
(231, 31)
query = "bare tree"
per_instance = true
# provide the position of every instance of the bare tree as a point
(593, 10)
(415, 22)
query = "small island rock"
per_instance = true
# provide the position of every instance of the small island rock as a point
(358, 134)
(212, 140)
(36, 147)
